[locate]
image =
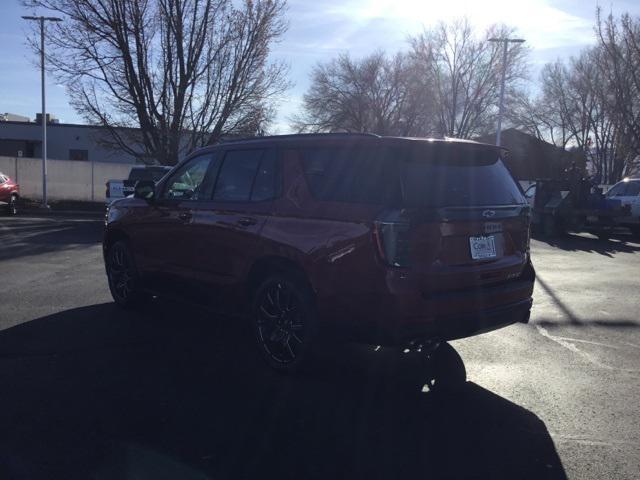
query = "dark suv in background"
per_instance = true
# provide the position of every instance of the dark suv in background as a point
(383, 240)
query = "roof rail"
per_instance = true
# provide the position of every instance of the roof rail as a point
(300, 135)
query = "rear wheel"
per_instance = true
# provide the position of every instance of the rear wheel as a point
(124, 281)
(283, 321)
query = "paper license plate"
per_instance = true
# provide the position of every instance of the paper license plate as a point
(483, 247)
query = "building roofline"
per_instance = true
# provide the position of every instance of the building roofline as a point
(66, 125)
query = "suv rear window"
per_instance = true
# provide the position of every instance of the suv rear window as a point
(415, 176)
(446, 177)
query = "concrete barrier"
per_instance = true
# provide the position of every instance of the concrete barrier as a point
(66, 179)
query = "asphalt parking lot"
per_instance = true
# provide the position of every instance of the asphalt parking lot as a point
(89, 391)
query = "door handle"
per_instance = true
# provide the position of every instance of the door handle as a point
(184, 216)
(246, 221)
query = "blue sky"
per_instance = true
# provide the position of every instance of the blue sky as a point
(321, 29)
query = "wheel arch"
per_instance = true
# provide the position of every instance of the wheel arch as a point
(274, 264)
(112, 236)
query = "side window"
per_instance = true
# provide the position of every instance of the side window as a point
(357, 175)
(633, 189)
(617, 190)
(192, 181)
(267, 183)
(237, 175)
(2, 179)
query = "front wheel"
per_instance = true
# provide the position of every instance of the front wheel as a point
(124, 282)
(283, 320)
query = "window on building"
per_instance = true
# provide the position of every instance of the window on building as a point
(76, 154)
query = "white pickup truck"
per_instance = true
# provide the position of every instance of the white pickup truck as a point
(122, 188)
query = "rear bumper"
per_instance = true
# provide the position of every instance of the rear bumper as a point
(398, 318)
(452, 328)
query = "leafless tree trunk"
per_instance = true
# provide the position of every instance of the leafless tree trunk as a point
(167, 76)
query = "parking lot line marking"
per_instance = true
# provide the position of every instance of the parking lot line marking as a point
(591, 441)
(572, 348)
(591, 342)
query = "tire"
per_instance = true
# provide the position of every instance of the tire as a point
(635, 231)
(12, 208)
(283, 322)
(122, 275)
(446, 370)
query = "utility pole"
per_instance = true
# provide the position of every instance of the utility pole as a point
(505, 42)
(41, 20)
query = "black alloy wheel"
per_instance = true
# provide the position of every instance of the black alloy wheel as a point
(283, 322)
(122, 275)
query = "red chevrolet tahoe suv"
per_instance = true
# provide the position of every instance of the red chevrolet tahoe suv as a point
(9, 194)
(382, 240)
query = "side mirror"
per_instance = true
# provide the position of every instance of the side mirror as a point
(145, 190)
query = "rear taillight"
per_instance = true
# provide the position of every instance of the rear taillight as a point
(392, 239)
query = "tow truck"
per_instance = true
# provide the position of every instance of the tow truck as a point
(563, 205)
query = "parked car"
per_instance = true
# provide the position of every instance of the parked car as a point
(387, 241)
(122, 188)
(628, 192)
(9, 194)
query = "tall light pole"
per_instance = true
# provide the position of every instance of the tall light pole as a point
(505, 42)
(44, 110)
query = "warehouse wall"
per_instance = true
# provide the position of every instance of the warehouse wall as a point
(66, 179)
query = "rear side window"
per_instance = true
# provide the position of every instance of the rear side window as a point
(440, 176)
(350, 174)
(633, 189)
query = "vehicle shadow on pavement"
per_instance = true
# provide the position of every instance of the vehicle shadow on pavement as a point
(96, 392)
(618, 243)
(27, 236)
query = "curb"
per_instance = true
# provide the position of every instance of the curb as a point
(41, 212)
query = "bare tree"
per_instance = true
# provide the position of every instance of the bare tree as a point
(375, 94)
(592, 102)
(619, 63)
(166, 76)
(463, 73)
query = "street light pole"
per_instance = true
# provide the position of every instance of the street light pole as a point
(41, 20)
(505, 42)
